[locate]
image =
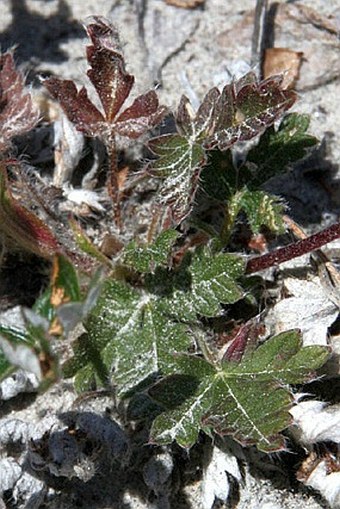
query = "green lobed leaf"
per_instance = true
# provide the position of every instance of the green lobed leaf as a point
(261, 209)
(179, 162)
(110, 313)
(277, 149)
(181, 157)
(204, 284)
(146, 257)
(249, 400)
(145, 347)
(134, 337)
(136, 333)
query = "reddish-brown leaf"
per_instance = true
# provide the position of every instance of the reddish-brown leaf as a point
(144, 113)
(244, 341)
(17, 112)
(78, 107)
(246, 108)
(200, 123)
(112, 83)
(21, 227)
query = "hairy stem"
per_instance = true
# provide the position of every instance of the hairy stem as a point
(293, 250)
(112, 181)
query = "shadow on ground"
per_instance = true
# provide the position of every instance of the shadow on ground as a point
(36, 37)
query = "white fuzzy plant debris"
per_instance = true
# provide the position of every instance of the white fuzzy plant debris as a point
(64, 451)
(308, 308)
(69, 144)
(29, 492)
(14, 431)
(316, 422)
(77, 449)
(215, 483)
(82, 200)
(328, 484)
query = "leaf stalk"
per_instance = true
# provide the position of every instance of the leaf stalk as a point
(293, 250)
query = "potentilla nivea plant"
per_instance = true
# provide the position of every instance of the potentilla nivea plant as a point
(172, 320)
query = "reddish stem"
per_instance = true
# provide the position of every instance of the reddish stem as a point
(293, 250)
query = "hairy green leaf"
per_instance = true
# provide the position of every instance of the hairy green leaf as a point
(135, 337)
(240, 112)
(146, 257)
(261, 209)
(278, 149)
(202, 285)
(136, 333)
(179, 162)
(182, 156)
(249, 400)
(145, 347)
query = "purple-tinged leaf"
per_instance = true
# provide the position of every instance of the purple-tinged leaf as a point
(246, 108)
(245, 341)
(238, 345)
(205, 119)
(78, 107)
(112, 83)
(103, 34)
(17, 112)
(144, 113)
(22, 227)
(184, 116)
(201, 123)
